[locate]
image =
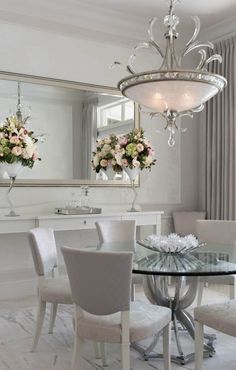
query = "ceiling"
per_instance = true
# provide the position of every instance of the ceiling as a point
(120, 21)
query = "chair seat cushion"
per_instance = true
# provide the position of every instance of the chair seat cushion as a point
(220, 316)
(145, 320)
(56, 290)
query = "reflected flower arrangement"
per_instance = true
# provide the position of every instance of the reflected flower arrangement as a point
(17, 143)
(131, 150)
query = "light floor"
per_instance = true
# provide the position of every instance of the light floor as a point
(17, 319)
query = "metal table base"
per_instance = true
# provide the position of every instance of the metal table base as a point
(156, 289)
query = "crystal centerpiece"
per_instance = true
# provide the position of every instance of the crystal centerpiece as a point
(172, 243)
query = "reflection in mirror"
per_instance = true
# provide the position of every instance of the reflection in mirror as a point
(67, 122)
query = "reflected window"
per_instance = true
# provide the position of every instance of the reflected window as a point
(115, 112)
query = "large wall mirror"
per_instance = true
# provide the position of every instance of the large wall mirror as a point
(67, 118)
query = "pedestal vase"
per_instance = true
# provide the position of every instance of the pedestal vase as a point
(12, 170)
(109, 172)
(132, 173)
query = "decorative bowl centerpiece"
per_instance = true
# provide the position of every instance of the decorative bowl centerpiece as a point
(172, 243)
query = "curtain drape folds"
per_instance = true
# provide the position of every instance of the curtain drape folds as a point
(89, 134)
(219, 140)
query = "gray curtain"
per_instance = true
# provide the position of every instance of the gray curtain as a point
(89, 134)
(217, 137)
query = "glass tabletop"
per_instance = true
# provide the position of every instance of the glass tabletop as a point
(210, 259)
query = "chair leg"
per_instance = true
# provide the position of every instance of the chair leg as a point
(52, 317)
(166, 346)
(39, 323)
(125, 355)
(199, 341)
(133, 292)
(125, 342)
(200, 293)
(77, 354)
(97, 351)
(232, 292)
(103, 349)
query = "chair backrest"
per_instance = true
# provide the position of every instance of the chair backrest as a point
(215, 231)
(115, 231)
(185, 222)
(100, 281)
(44, 250)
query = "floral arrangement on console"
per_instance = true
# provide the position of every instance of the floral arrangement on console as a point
(137, 150)
(17, 143)
(132, 150)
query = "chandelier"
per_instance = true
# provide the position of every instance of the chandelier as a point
(171, 91)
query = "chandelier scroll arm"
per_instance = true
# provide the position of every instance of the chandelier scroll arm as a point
(152, 22)
(142, 45)
(196, 31)
(217, 57)
(121, 65)
(203, 59)
(196, 45)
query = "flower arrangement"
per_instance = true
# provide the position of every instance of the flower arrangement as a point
(132, 150)
(136, 150)
(17, 143)
(106, 154)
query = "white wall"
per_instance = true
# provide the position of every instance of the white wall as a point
(172, 184)
(47, 54)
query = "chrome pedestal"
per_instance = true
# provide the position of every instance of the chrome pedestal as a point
(157, 291)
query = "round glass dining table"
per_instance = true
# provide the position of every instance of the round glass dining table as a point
(185, 268)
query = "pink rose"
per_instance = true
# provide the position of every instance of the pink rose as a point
(35, 156)
(140, 147)
(135, 163)
(15, 140)
(151, 151)
(122, 140)
(103, 163)
(16, 150)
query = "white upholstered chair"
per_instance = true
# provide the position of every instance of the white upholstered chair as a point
(220, 316)
(118, 231)
(100, 285)
(51, 288)
(185, 221)
(219, 232)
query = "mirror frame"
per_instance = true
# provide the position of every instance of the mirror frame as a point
(18, 77)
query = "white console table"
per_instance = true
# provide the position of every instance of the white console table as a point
(24, 223)
(17, 278)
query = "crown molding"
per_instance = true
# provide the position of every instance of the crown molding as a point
(87, 21)
(219, 31)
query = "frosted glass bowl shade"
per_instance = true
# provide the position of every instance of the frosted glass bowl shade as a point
(174, 90)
